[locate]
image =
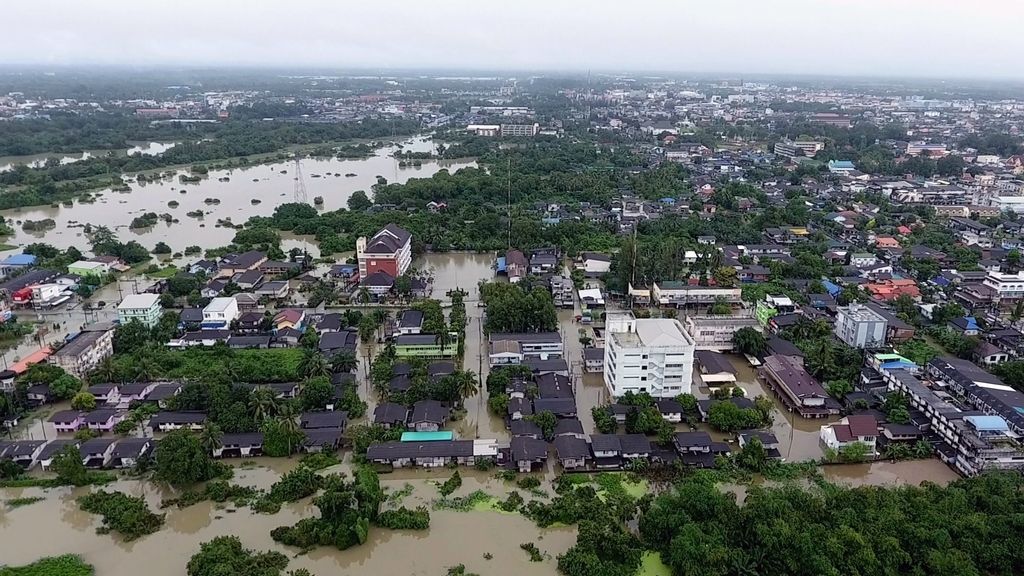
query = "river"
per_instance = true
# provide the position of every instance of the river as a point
(236, 189)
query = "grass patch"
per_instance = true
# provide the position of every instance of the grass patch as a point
(651, 565)
(66, 565)
(478, 500)
(397, 496)
(4, 247)
(164, 272)
(93, 478)
(24, 501)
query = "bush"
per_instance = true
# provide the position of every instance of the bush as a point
(528, 482)
(404, 519)
(128, 515)
(450, 485)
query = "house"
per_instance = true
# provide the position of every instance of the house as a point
(279, 267)
(518, 408)
(428, 416)
(505, 352)
(966, 326)
(190, 319)
(280, 389)
(87, 268)
(168, 421)
(289, 318)
(96, 452)
(670, 409)
(390, 415)
(428, 454)
(715, 369)
(67, 421)
(521, 427)
(161, 394)
(553, 386)
(322, 439)
(595, 264)
(239, 445)
(213, 288)
(134, 392)
(52, 449)
(798, 390)
(572, 452)
(219, 313)
(144, 308)
(569, 427)
(516, 265)
(85, 351)
(607, 450)
(379, 283)
(24, 453)
(128, 451)
(247, 302)
(593, 360)
(333, 343)
(768, 441)
(388, 251)
(249, 322)
(105, 393)
(233, 264)
(273, 290)
(333, 419)
(542, 263)
(561, 407)
(541, 345)
(856, 428)
(332, 322)
(254, 341)
(409, 322)
(104, 420)
(16, 263)
(528, 454)
(424, 346)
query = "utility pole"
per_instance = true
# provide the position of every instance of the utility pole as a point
(509, 209)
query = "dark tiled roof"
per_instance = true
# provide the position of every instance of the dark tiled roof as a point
(432, 449)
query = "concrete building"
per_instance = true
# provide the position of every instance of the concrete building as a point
(1006, 286)
(520, 130)
(219, 313)
(798, 148)
(860, 327)
(716, 332)
(85, 268)
(388, 251)
(142, 307)
(653, 355)
(83, 353)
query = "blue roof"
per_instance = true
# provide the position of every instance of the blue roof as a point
(833, 289)
(940, 281)
(898, 365)
(988, 423)
(668, 200)
(19, 260)
(840, 164)
(972, 324)
(501, 264)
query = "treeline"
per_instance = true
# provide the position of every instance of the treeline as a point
(68, 133)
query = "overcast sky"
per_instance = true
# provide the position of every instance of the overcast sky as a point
(938, 38)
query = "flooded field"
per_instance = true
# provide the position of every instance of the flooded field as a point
(269, 184)
(56, 526)
(39, 160)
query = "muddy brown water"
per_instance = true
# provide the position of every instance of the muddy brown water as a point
(56, 526)
(271, 184)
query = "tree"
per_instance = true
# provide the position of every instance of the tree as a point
(748, 340)
(546, 421)
(728, 417)
(314, 364)
(69, 467)
(225, 555)
(367, 329)
(210, 437)
(316, 393)
(130, 336)
(604, 421)
(466, 384)
(263, 404)
(84, 401)
(450, 485)
(65, 387)
(162, 248)
(344, 362)
(725, 276)
(181, 459)
(359, 201)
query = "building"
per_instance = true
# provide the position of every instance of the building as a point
(653, 355)
(682, 294)
(715, 332)
(233, 264)
(1006, 286)
(516, 265)
(841, 166)
(83, 353)
(857, 428)
(523, 346)
(388, 251)
(484, 129)
(86, 268)
(424, 346)
(595, 264)
(219, 313)
(797, 389)
(798, 148)
(860, 327)
(144, 308)
(915, 148)
(520, 130)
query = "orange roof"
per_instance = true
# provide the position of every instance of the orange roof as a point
(34, 358)
(887, 242)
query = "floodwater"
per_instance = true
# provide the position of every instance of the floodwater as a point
(270, 184)
(38, 160)
(56, 526)
(884, 473)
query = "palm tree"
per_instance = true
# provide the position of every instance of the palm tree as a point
(288, 424)
(363, 295)
(105, 372)
(467, 385)
(210, 437)
(314, 364)
(344, 362)
(443, 340)
(263, 404)
(146, 369)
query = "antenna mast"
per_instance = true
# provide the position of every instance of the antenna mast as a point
(509, 209)
(300, 183)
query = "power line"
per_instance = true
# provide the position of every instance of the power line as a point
(300, 182)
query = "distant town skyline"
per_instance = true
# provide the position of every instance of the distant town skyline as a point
(908, 38)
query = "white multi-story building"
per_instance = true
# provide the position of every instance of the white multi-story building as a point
(219, 313)
(653, 355)
(1008, 286)
(142, 307)
(860, 327)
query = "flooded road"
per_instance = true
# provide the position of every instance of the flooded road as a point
(236, 189)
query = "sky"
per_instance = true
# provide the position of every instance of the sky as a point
(918, 38)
